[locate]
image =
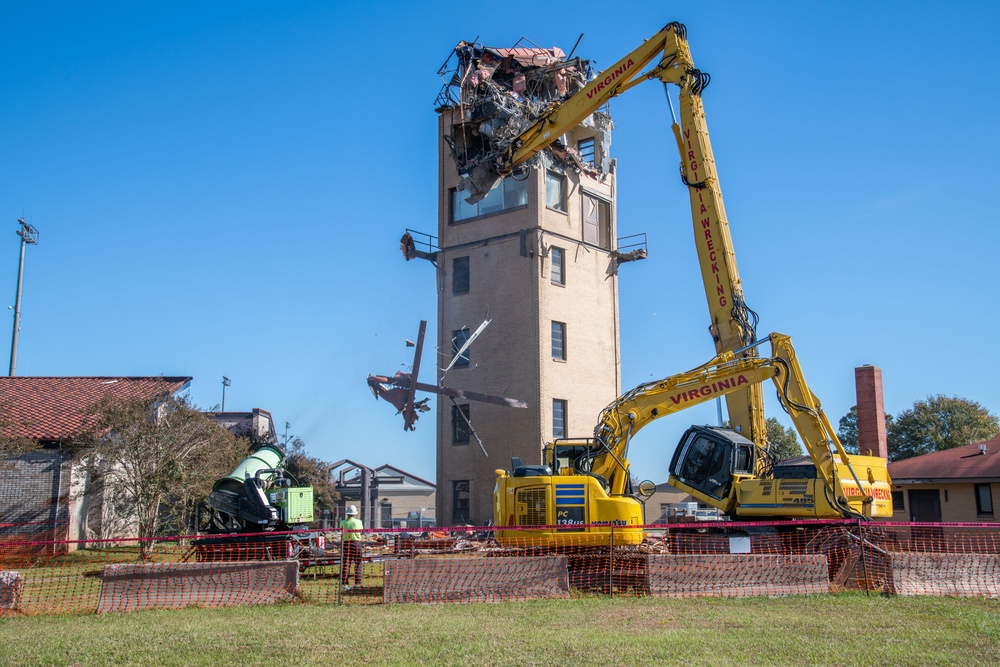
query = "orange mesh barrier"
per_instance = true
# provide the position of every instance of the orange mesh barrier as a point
(736, 575)
(40, 535)
(179, 585)
(487, 580)
(471, 564)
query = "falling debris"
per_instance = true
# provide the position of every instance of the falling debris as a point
(472, 429)
(466, 344)
(630, 256)
(400, 389)
(396, 391)
(412, 248)
(498, 96)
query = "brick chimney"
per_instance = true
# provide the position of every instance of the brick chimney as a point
(871, 411)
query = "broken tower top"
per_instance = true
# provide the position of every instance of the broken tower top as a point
(495, 94)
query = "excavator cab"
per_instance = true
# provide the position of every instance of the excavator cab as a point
(708, 460)
(570, 456)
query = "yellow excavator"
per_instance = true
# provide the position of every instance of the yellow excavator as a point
(583, 494)
(587, 482)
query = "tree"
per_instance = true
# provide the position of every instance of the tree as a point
(939, 423)
(311, 471)
(156, 460)
(783, 442)
(847, 429)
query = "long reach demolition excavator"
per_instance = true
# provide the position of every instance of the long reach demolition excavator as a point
(583, 493)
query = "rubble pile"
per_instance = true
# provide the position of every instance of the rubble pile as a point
(496, 95)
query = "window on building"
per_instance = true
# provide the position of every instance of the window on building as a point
(586, 149)
(559, 340)
(385, 514)
(460, 424)
(460, 501)
(555, 191)
(557, 273)
(458, 339)
(511, 193)
(665, 512)
(596, 221)
(558, 418)
(460, 275)
(984, 499)
(897, 501)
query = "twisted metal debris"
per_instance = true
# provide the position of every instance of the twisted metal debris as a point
(496, 95)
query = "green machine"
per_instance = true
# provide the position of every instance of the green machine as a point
(258, 495)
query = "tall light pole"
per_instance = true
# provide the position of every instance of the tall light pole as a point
(225, 383)
(29, 236)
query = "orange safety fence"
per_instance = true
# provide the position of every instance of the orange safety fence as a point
(479, 564)
(35, 532)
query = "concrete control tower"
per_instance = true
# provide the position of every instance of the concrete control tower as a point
(538, 252)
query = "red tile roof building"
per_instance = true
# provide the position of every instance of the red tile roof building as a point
(53, 409)
(36, 502)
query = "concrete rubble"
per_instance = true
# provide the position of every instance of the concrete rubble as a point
(496, 94)
(11, 589)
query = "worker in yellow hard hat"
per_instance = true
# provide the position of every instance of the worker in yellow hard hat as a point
(351, 551)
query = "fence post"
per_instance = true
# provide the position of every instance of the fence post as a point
(611, 564)
(864, 561)
(340, 572)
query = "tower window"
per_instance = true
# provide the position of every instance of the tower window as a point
(559, 340)
(458, 339)
(460, 501)
(511, 193)
(557, 273)
(587, 150)
(558, 418)
(555, 191)
(596, 221)
(460, 424)
(460, 275)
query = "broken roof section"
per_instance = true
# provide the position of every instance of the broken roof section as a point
(498, 94)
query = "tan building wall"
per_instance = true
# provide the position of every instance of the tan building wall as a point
(400, 506)
(659, 505)
(957, 501)
(510, 277)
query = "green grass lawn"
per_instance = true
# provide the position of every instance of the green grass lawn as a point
(843, 629)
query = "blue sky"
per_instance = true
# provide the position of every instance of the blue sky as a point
(220, 189)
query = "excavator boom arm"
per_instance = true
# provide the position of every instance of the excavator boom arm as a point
(613, 81)
(732, 323)
(722, 376)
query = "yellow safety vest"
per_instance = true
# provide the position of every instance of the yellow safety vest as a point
(352, 529)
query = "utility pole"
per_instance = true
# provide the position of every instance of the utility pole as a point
(225, 383)
(29, 236)
(286, 432)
